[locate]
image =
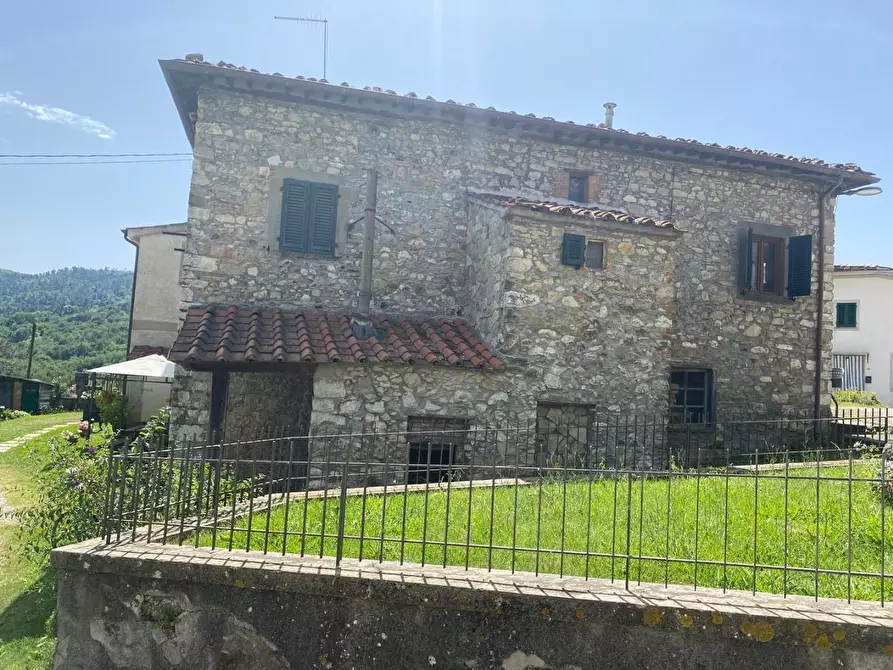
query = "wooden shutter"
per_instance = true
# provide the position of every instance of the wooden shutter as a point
(293, 226)
(745, 260)
(573, 250)
(323, 211)
(799, 266)
(846, 315)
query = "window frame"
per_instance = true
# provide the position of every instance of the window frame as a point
(707, 407)
(586, 258)
(584, 178)
(759, 277)
(855, 304)
(453, 431)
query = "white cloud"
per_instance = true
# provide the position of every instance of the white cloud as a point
(58, 115)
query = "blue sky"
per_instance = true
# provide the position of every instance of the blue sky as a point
(804, 77)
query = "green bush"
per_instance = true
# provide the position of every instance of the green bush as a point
(113, 409)
(858, 398)
(7, 414)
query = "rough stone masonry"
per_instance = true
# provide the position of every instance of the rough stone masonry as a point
(604, 338)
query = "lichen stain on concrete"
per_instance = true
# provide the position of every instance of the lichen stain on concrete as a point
(839, 635)
(240, 584)
(822, 642)
(717, 618)
(652, 616)
(521, 661)
(809, 632)
(686, 621)
(545, 611)
(888, 650)
(761, 631)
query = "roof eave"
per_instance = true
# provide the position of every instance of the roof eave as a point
(676, 149)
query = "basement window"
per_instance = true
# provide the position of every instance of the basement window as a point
(434, 445)
(691, 396)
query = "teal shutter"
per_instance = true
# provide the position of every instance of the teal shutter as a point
(745, 260)
(846, 315)
(293, 227)
(573, 250)
(799, 266)
(323, 210)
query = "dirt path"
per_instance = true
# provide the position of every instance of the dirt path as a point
(6, 446)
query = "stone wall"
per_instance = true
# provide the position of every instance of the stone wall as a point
(438, 258)
(160, 607)
(268, 403)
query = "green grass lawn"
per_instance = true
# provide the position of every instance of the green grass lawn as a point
(683, 519)
(9, 430)
(27, 587)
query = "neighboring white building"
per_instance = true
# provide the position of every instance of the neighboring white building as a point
(155, 307)
(863, 333)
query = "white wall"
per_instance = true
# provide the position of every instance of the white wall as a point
(873, 334)
(156, 301)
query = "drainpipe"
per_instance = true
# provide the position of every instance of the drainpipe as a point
(136, 263)
(368, 241)
(820, 301)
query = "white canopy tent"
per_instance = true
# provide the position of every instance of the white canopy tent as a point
(155, 366)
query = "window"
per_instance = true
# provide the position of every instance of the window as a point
(846, 315)
(773, 264)
(766, 264)
(434, 443)
(595, 255)
(691, 395)
(577, 188)
(309, 213)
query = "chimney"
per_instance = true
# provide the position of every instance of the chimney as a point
(609, 114)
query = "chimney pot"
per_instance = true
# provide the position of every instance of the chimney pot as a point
(609, 114)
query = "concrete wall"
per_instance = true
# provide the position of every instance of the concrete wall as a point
(156, 300)
(142, 606)
(873, 292)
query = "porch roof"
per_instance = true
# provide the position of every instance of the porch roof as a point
(230, 334)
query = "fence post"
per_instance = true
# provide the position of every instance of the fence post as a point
(342, 505)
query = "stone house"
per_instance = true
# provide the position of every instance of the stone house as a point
(525, 269)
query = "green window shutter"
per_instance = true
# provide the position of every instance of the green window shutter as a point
(323, 214)
(799, 266)
(293, 227)
(573, 250)
(745, 260)
(846, 315)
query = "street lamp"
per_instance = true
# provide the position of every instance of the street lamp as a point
(864, 190)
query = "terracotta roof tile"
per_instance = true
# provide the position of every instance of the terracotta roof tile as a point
(198, 60)
(579, 211)
(229, 334)
(857, 268)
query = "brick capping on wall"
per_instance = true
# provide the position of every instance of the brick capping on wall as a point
(361, 614)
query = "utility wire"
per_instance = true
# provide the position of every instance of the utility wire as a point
(92, 155)
(112, 162)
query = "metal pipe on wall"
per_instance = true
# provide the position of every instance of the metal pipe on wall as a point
(368, 240)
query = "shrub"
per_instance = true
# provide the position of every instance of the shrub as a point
(858, 398)
(7, 414)
(113, 409)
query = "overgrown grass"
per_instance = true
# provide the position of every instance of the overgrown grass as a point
(27, 585)
(664, 524)
(9, 430)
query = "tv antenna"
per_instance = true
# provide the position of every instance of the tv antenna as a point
(325, 34)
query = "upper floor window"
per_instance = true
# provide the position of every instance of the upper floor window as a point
(577, 184)
(772, 264)
(309, 215)
(595, 255)
(846, 314)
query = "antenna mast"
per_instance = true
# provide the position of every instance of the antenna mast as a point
(325, 35)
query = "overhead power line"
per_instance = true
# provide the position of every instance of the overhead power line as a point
(96, 162)
(182, 153)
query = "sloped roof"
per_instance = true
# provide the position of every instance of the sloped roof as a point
(862, 268)
(230, 334)
(579, 211)
(184, 76)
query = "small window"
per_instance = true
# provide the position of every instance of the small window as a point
(309, 214)
(595, 255)
(577, 188)
(846, 315)
(767, 266)
(434, 445)
(691, 396)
